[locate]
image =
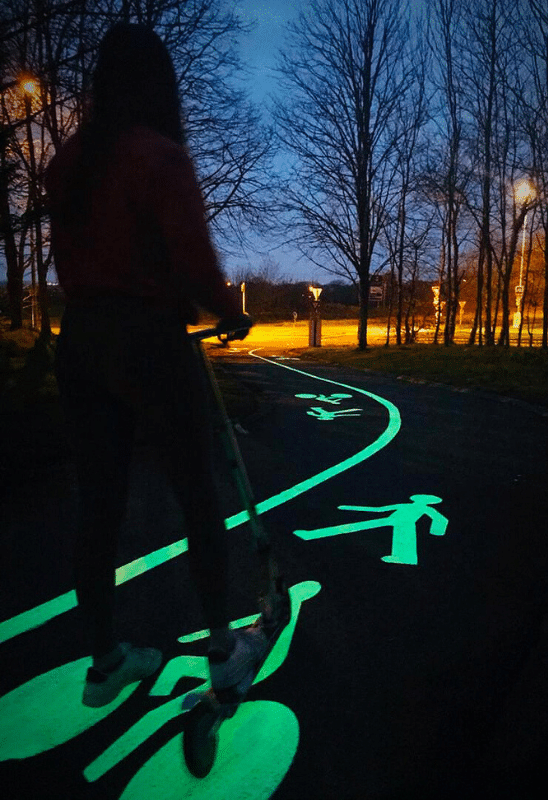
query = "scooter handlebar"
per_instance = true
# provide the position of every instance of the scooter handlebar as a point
(206, 333)
(209, 333)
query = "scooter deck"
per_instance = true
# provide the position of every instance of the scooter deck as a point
(220, 701)
(207, 710)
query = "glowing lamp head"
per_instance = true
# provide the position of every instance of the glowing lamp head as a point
(524, 191)
(315, 292)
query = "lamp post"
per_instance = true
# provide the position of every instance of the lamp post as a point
(242, 289)
(523, 193)
(315, 323)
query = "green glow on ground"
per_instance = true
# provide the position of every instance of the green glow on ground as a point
(256, 748)
(195, 667)
(403, 520)
(41, 614)
(204, 633)
(391, 430)
(142, 730)
(47, 711)
(298, 593)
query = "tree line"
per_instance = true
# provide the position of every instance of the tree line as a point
(47, 55)
(412, 128)
(417, 135)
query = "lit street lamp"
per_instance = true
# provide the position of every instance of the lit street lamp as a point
(524, 192)
(315, 291)
(315, 322)
(29, 86)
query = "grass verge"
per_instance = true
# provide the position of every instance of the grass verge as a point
(521, 373)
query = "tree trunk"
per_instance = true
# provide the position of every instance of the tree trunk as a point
(14, 274)
(391, 303)
(545, 296)
(364, 311)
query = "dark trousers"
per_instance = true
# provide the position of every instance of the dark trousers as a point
(123, 366)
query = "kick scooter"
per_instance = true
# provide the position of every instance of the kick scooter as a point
(207, 710)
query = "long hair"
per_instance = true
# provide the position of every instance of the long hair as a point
(134, 83)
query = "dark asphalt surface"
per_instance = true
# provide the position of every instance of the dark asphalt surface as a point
(407, 681)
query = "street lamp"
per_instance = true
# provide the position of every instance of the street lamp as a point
(524, 192)
(28, 85)
(315, 323)
(315, 291)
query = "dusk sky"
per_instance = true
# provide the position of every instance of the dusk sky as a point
(259, 50)
(259, 53)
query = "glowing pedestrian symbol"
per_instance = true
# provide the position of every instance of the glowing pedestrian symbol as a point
(335, 399)
(403, 520)
(329, 416)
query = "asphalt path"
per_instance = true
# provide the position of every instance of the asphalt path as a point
(410, 522)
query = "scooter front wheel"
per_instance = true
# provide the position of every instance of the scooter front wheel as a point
(200, 739)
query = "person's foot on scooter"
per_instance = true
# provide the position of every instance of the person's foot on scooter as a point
(233, 666)
(129, 664)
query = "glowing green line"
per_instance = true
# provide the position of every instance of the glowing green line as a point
(41, 614)
(394, 424)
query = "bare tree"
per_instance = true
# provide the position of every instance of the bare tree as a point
(42, 50)
(57, 42)
(406, 228)
(535, 115)
(449, 173)
(344, 71)
(487, 23)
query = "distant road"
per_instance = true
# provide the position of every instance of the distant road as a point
(343, 332)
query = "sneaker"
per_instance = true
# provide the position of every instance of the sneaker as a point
(235, 671)
(137, 663)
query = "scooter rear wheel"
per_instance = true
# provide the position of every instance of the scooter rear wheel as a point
(200, 740)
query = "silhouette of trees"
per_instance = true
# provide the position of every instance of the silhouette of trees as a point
(56, 44)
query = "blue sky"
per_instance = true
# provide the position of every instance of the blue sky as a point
(259, 52)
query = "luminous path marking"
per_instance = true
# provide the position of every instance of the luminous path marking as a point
(39, 615)
(261, 741)
(403, 521)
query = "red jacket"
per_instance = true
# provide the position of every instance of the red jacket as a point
(146, 234)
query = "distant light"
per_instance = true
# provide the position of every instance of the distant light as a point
(315, 291)
(524, 191)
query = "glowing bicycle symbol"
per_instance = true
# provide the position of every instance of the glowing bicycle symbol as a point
(47, 712)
